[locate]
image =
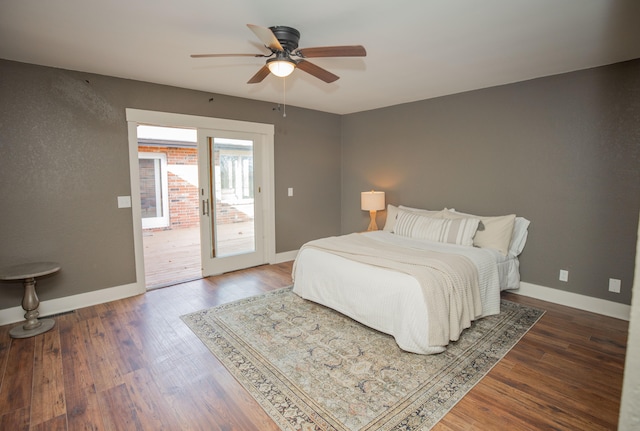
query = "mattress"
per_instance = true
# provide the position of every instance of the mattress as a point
(390, 301)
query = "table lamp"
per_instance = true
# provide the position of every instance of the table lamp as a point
(372, 201)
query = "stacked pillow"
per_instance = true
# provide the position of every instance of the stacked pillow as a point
(494, 233)
(506, 234)
(459, 230)
(392, 215)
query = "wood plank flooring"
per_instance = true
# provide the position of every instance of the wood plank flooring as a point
(133, 365)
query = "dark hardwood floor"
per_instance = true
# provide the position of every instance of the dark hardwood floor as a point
(133, 365)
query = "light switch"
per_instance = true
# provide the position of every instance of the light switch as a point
(290, 191)
(564, 275)
(124, 201)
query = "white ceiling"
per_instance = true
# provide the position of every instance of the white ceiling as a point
(416, 49)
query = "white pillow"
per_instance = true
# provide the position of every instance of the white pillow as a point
(519, 237)
(494, 232)
(420, 210)
(453, 231)
(392, 215)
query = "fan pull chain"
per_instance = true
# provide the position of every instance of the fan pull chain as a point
(284, 88)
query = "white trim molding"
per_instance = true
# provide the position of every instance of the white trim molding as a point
(74, 302)
(286, 256)
(575, 300)
(560, 297)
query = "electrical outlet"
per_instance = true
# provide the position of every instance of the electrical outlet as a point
(614, 285)
(564, 275)
(290, 192)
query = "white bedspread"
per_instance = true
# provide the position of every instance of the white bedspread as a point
(384, 299)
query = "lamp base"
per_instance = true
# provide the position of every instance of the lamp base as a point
(372, 223)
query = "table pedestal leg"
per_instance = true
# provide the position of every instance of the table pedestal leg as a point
(30, 303)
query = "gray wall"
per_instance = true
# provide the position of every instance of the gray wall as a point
(562, 151)
(64, 160)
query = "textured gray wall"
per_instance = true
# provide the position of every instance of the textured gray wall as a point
(64, 160)
(562, 151)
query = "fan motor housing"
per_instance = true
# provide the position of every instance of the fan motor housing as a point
(287, 36)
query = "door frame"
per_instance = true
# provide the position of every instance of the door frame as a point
(138, 116)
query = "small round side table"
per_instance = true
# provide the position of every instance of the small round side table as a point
(28, 272)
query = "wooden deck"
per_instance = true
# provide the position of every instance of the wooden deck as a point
(173, 256)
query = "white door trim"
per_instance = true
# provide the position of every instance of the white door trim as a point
(138, 116)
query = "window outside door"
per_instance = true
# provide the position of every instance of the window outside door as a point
(154, 199)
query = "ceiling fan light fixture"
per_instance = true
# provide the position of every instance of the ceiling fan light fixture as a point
(283, 41)
(280, 67)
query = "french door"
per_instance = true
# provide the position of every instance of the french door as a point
(231, 200)
(235, 187)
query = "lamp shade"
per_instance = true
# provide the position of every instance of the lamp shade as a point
(281, 68)
(372, 201)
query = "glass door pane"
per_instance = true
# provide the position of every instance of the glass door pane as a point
(232, 209)
(233, 197)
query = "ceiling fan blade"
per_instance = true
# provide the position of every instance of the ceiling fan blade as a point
(317, 71)
(259, 77)
(332, 51)
(267, 37)
(227, 55)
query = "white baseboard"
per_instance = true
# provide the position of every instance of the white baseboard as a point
(560, 297)
(574, 300)
(73, 302)
(286, 256)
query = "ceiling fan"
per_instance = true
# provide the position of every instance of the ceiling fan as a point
(282, 41)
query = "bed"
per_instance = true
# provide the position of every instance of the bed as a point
(422, 279)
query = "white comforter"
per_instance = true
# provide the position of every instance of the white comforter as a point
(387, 300)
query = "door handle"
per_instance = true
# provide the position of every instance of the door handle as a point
(205, 207)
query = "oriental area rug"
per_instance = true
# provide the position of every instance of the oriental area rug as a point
(311, 368)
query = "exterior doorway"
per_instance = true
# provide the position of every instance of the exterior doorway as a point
(168, 167)
(225, 182)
